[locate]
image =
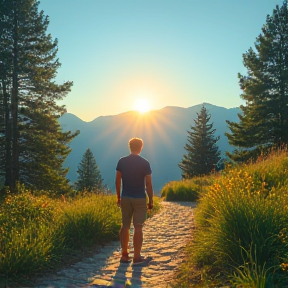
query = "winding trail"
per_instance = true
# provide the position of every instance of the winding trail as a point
(165, 236)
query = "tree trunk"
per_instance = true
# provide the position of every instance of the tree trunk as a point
(7, 127)
(14, 107)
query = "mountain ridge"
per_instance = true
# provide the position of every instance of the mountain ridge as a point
(165, 107)
(164, 132)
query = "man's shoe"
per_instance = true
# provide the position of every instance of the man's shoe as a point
(142, 261)
(125, 258)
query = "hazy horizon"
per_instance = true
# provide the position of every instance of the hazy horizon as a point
(149, 111)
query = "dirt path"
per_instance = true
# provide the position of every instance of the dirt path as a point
(165, 236)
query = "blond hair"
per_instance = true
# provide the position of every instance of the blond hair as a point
(135, 144)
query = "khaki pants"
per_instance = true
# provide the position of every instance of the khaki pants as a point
(133, 207)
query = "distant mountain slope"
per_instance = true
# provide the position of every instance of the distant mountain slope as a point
(164, 133)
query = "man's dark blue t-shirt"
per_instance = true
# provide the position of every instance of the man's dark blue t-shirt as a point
(133, 169)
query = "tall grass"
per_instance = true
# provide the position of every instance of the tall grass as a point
(242, 224)
(25, 250)
(89, 220)
(185, 190)
(250, 274)
(36, 231)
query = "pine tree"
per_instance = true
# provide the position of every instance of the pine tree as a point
(89, 177)
(202, 151)
(38, 154)
(28, 57)
(264, 119)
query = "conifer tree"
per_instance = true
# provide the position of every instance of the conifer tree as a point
(38, 154)
(264, 119)
(202, 151)
(28, 66)
(89, 176)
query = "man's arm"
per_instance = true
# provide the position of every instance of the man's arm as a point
(118, 185)
(149, 190)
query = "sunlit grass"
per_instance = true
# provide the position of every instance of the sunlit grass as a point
(89, 220)
(241, 236)
(186, 190)
(242, 223)
(36, 231)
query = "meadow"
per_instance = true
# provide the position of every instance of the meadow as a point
(241, 236)
(37, 232)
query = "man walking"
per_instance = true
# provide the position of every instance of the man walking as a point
(134, 172)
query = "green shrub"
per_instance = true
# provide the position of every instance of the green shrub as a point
(185, 190)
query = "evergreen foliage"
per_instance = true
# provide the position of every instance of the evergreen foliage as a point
(202, 151)
(89, 176)
(44, 153)
(264, 119)
(32, 146)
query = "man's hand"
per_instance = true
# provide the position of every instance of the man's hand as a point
(149, 190)
(118, 187)
(150, 205)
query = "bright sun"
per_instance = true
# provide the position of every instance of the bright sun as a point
(142, 105)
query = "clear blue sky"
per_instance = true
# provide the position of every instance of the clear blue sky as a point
(170, 52)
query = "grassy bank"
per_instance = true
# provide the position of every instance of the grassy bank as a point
(36, 232)
(186, 190)
(242, 228)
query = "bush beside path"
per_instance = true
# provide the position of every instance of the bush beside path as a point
(165, 236)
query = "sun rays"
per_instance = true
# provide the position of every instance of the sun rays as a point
(152, 127)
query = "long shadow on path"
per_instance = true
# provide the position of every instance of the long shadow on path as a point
(165, 236)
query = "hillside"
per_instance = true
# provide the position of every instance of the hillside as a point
(164, 133)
